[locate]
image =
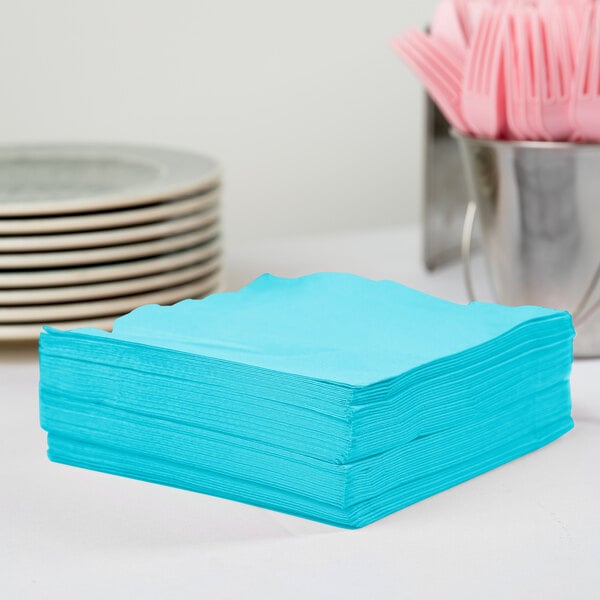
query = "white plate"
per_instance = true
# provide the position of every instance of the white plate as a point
(21, 333)
(112, 272)
(39, 260)
(100, 308)
(106, 220)
(111, 289)
(66, 179)
(108, 237)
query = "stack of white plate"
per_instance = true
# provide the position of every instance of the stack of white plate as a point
(88, 233)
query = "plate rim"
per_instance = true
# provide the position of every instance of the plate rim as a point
(108, 237)
(30, 332)
(62, 224)
(97, 273)
(96, 308)
(109, 289)
(121, 252)
(181, 173)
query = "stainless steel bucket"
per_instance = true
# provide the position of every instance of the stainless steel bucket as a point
(444, 191)
(538, 204)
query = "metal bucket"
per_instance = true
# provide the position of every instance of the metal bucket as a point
(538, 205)
(445, 194)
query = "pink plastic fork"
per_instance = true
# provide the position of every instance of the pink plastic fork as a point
(483, 105)
(530, 65)
(439, 68)
(516, 119)
(447, 24)
(472, 11)
(571, 14)
(585, 108)
(553, 66)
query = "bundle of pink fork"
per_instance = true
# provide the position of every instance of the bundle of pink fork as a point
(514, 69)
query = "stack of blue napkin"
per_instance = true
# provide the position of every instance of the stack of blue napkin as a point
(330, 396)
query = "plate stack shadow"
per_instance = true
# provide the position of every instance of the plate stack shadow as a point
(89, 232)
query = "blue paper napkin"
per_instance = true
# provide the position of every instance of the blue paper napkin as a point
(330, 396)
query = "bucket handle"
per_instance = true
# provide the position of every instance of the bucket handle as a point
(580, 314)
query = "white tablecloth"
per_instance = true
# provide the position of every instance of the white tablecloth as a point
(530, 529)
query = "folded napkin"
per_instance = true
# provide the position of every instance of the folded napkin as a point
(330, 396)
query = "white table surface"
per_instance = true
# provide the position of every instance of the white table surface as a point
(530, 529)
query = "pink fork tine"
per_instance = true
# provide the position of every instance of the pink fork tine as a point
(483, 90)
(443, 56)
(442, 87)
(494, 51)
(475, 57)
(512, 76)
(435, 85)
(594, 73)
(523, 74)
(534, 69)
(474, 10)
(586, 105)
(471, 12)
(447, 25)
(450, 67)
(538, 74)
(573, 24)
(472, 74)
(557, 73)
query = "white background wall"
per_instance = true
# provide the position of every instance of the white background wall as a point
(315, 119)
